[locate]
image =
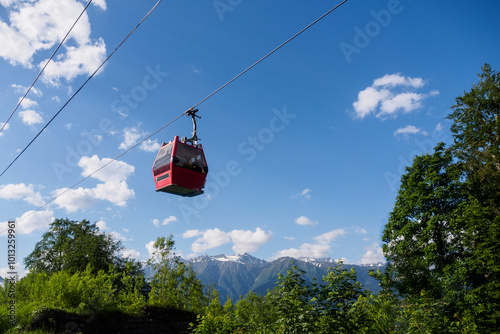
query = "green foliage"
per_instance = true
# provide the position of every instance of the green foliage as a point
(294, 306)
(174, 284)
(441, 239)
(71, 246)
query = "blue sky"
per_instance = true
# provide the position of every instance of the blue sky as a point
(305, 150)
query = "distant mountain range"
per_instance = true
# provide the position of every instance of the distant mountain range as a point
(236, 275)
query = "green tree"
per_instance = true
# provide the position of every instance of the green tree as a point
(441, 239)
(174, 284)
(71, 246)
(476, 133)
(420, 238)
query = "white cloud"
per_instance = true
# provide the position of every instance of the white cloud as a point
(20, 89)
(373, 254)
(101, 224)
(405, 101)
(7, 126)
(155, 222)
(116, 171)
(368, 101)
(169, 220)
(150, 145)
(84, 59)
(439, 127)
(409, 130)
(132, 135)
(243, 241)
(360, 230)
(208, 239)
(19, 268)
(303, 220)
(21, 191)
(68, 126)
(113, 189)
(306, 250)
(118, 236)
(131, 253)
(30, 117)
(150, 248)
(289, 238)
(306, 194)
(28, 103)
(73, 200)
(100, 3)
(35, 26)
(329, 237)
(34, 220)
(248, 241)
(390, 95)
(393, 80)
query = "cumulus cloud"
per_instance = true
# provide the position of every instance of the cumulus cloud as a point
(28, 103)
(150, 248)
(132, 135)
(38, 25)
(20, 270)
(131, 253)
(101, 224)
(303, 220)
(6, 127)
(30, 117)
(20, 89)
(373, 254)
(207, 239)
(248, 241)
(329, 237)
(243, 241)
(390, 95)
(150, 145)
(114, 187)
(306, 250)
(317, 250)
(21, 191)
(166, 221)
(409, 130)
(34, 221)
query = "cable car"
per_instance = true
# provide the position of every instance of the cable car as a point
(180, 167)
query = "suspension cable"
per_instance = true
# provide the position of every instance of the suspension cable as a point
(79, 89)
(43, 69)
(187, 112)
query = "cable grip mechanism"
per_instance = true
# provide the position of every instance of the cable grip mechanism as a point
(194, 139)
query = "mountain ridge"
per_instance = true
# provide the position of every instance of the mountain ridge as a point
(236, 275)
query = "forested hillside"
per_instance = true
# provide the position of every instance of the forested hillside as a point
(441, 242)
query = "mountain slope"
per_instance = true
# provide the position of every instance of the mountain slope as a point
(235, 276)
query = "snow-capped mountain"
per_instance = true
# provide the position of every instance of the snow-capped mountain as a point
(236, 275)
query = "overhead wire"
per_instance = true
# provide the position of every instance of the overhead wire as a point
(79, 89)
(43, 68)
(186, 112)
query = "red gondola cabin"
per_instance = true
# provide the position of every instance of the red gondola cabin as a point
(180, 168)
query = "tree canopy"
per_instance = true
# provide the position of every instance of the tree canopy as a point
(70, 245)
(442, 237)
